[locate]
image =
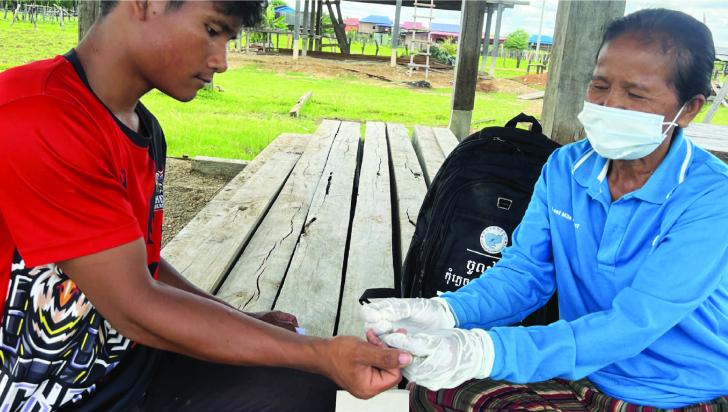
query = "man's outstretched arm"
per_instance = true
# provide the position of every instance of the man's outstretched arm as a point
(167, 317)
(169, 275)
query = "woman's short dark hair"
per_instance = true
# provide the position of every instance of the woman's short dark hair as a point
(250, 13)
(686, 39)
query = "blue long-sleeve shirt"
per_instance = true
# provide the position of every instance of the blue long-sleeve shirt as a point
(642, 281)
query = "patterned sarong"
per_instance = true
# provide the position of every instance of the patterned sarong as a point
(552, 395)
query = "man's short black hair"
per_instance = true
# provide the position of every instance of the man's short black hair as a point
(250, 13)
(687, 40)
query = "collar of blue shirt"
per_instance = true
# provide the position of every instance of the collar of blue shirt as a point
(590, 171)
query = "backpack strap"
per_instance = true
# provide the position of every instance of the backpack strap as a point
(378, 293)
(524, 118)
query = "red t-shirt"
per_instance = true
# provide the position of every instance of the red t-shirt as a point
(73, 181)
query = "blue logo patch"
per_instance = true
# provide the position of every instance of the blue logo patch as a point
(493, 239)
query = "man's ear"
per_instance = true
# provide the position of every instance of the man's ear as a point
(692, 108)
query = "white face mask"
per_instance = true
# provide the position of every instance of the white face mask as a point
(623, 134)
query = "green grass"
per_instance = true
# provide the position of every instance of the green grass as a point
(253, 108)
(21, 43)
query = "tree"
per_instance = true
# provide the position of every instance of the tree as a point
(518, 40)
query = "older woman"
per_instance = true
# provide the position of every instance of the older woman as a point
(629, 225)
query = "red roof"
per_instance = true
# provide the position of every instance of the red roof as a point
(351, 21)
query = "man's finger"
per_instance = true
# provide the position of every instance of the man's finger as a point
(385, 378)
(385, 358)
(374, 339)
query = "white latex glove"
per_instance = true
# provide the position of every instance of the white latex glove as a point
(445, 358)
(414, 315)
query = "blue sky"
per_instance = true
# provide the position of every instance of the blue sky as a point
(715, 13)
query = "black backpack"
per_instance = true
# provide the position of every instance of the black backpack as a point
(471, 209)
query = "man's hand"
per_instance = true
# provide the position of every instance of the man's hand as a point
(443, 358)
(277, 318)
(360, 368)
(414, 315)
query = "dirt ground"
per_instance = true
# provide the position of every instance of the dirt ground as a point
(187, 192)
(376, 72)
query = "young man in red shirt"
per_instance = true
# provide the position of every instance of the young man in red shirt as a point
(94, 318)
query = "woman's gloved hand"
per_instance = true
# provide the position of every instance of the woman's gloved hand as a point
(413, 315)
(445, 358)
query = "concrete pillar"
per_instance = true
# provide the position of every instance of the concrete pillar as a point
(572, 63)
(304, 50)
(296, 30)
(395, 34)
(486, 37)
(466, 70)
(496, 39)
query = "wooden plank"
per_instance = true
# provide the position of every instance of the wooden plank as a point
(719, 98)
(445, 139)
(286, 142)
(428, 152)
(708, 136)
(532, 96)
(312, 285)
(370, 263)
(296, 110)
(254, 281)
(206, 248)
(409, 182)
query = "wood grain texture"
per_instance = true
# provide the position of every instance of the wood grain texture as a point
(428, 152)
(409, 181)
(254, 281)
(312, 285)
(370, 262)
(205, 249)
(445, 139)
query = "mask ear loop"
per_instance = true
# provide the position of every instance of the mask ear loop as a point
(673, 122)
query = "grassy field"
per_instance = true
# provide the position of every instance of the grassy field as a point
(21, 43)
(253, 107)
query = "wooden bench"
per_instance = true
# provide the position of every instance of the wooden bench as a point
(711, 137)
(313, 221)
(316, 219)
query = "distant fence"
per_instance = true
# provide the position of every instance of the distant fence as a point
(32, 13)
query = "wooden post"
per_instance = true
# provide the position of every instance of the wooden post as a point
(15, 14)
(496, 39)
(312, 26)
(338, 22)
(572, 63)
(296, 30)
(88, 11)
(60, 17)
(720, 96)
(466, 71)
(296, 109)
(319, 30)
(486, 37)
(395, 34)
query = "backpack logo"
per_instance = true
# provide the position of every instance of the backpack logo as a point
(493, 239)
